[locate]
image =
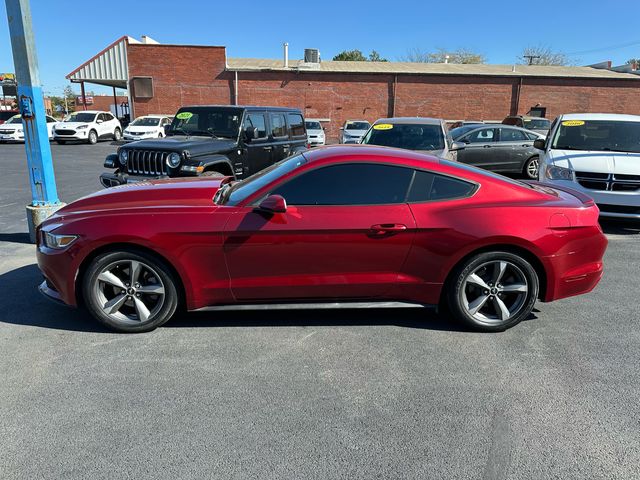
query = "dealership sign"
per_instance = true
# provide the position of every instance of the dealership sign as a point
(7, 78)
(88, 100)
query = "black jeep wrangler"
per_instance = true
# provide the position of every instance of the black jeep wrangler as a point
(211, 140)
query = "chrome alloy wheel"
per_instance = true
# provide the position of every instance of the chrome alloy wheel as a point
(129, 291)
(494, 292)
(532, 168)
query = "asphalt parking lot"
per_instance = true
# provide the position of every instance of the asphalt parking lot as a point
(311, 394)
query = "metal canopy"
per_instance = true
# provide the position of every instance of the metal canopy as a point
(109, 67)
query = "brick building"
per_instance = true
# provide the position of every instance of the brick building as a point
(161, 78)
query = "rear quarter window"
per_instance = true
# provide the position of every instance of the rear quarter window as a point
(296, 124)
(427, 186)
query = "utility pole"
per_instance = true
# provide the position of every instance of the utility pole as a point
(44, 194)
(531, 58)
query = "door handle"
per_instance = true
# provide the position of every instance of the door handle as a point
(267, 148)
(384, 228)
(486, 146)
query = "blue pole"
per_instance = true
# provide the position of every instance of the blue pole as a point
(30, 101)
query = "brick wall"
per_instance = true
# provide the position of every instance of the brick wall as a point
(102, 102)
(196, 75)
(182, 75)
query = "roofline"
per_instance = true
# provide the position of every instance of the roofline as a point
(124, 37)
(628, 76)
(247, 107)
(176, 45)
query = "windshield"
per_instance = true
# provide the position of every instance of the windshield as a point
(537, 124)
(599, 135)
(313, 125)
(145, 122)
(357, 126)
(241, 190)
(15, 119)
(213, 121)
(81, 117)
(408, 136)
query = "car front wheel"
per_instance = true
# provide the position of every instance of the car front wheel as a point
(93, 137)
(493, 291)
(130, 291)
(117, 135)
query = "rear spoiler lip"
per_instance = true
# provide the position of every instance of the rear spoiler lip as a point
(585, 199)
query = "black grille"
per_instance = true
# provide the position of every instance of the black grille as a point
(147, 162)
(612, 182)
(65, 132)
(618, 208)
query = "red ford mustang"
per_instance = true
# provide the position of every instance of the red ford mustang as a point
(340, 224)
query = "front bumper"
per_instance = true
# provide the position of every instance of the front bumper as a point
(78, 135)
(613, 204)
(115, 179)
(11, 137)
(146, 136)
(50, 293)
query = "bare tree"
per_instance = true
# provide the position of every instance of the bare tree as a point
(461, 55)
(542, 55)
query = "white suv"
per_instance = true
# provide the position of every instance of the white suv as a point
(88, 126)
(149, 126)
(598, 154)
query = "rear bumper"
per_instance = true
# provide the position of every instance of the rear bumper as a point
(578, 268)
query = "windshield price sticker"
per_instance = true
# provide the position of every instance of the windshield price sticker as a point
(184, 115)
(572, 123)
(383, 126)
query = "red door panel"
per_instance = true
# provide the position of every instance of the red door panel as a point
(317, 251)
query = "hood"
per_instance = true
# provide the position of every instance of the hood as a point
(355, 133)
(11, 126)
(154, 194)
(597, 162)
(196, 145)
(311, 131)
(140, 128)
(71, 125)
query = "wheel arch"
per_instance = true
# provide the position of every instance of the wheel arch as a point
(525, 253)
(218, 163)
(131, 247)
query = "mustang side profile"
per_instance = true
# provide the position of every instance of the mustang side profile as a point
(349, 225)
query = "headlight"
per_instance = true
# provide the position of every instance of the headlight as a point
(173, 160)
(57, 242)
(19, 130)
(123, 156)
(81, 127)
(554, 172)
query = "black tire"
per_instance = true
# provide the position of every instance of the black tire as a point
(518, 272)
(211, 174)
(117, 134)
(92, 138)
(123, 320)
(530, 169)
(160, 135)
(61, 142)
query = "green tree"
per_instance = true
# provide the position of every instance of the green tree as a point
(461, 55)
(357, 56)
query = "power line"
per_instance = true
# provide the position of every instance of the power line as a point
(604, 49)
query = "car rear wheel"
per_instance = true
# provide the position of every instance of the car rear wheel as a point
(92, 138)
(130, 291)
(493, 291)
(117, 135)
(530, 169)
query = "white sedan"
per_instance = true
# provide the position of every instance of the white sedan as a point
(149, 126)
(13, 131)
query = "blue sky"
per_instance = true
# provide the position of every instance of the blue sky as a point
(70, 32)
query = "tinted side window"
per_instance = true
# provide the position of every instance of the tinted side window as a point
(511, 135)
(256, 120)
(481, 136)
(107, 117)
(297, 124)
(348, 184)
(278, 125)
(429, 186)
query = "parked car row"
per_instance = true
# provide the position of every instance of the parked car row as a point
(12, 129)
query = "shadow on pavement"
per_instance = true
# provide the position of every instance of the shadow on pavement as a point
(620, 227)
(32, 309)
(15, 238)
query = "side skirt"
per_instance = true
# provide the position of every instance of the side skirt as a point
(312, 306)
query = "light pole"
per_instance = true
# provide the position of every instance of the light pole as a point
(44, 194)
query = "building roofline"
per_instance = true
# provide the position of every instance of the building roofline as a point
(112, 44)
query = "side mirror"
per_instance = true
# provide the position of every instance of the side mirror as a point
(250, 133)
(99, 121)
(273, 204)
(539, 143)
(341, 128)
(457, 146)
(167, 129)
